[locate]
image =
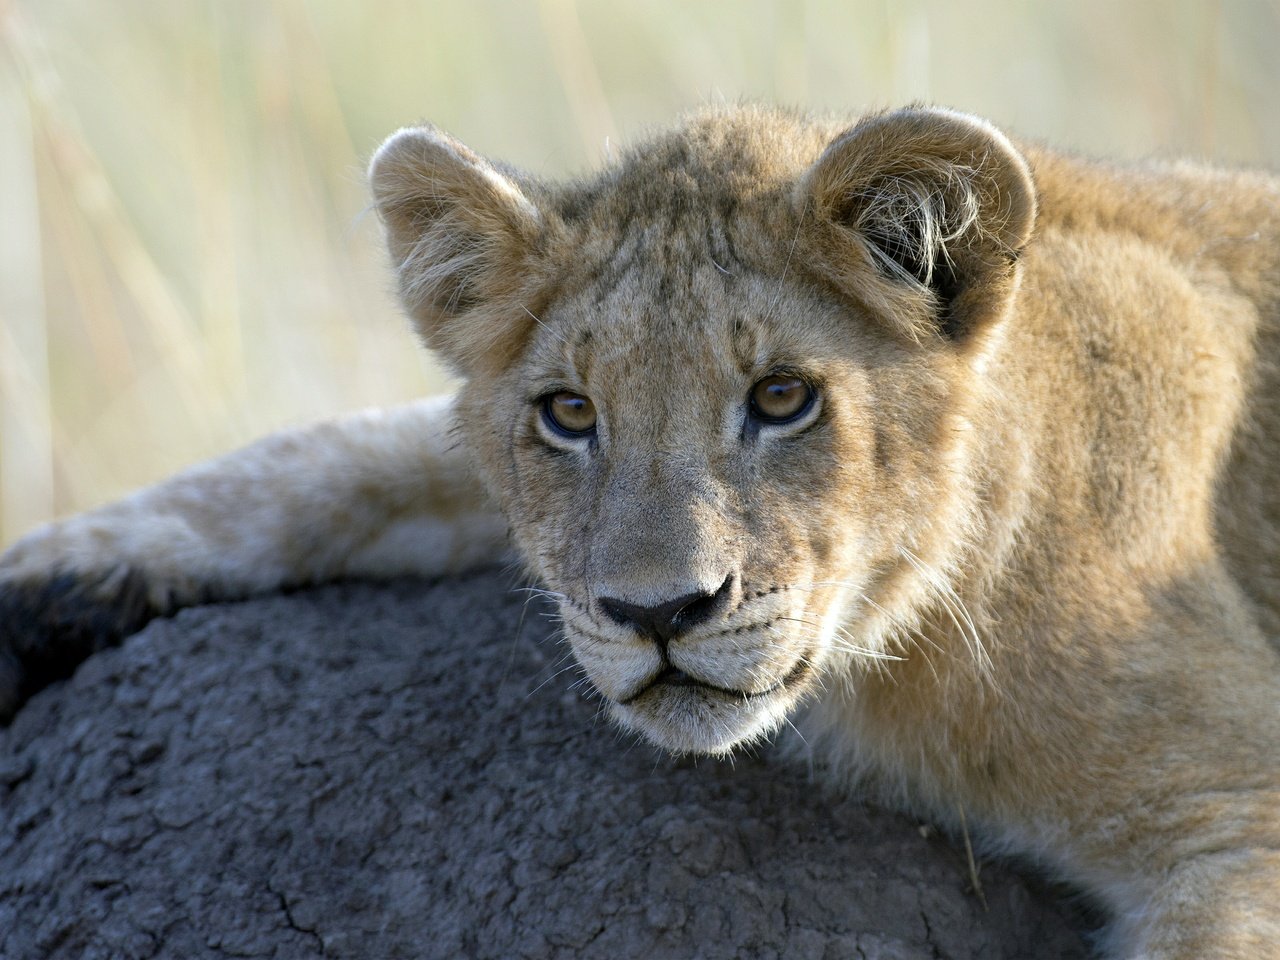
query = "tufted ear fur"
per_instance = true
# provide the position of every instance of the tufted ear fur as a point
(920, 216)
(464, 239)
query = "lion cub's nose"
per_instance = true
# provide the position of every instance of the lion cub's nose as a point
(663, 621)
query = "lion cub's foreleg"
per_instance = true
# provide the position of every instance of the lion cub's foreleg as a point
(1220, 905)
(375, 494)
(1174, 779)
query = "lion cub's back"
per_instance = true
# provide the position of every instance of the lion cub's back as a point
(1220, 231)
(1248, 503)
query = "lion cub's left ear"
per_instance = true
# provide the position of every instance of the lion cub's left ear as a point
(920, 215)
(465, 239)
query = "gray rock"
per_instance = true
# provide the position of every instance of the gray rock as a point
(411, 771)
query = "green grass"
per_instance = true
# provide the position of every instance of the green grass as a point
(186, 260)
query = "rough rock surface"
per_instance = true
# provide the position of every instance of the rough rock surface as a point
(410, 771)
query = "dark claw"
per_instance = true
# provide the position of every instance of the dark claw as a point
(48, 628)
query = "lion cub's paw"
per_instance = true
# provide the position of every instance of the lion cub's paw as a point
(53, 615)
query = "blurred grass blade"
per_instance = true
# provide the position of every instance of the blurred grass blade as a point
(26, 422)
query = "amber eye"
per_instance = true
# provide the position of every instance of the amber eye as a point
(569, 414)
(780, 399)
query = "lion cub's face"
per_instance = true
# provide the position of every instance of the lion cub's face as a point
(696, 478)
(720, 412)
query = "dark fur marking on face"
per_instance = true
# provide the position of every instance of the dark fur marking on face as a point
(578, 205)
(723, 255)
(724, 248)
(745, 341)
(766, 591)
(882, 444)
(606, 276)
(580, 355)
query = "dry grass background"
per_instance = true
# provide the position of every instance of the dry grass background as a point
(185, 257)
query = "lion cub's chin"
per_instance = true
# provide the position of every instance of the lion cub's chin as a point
(698, 719)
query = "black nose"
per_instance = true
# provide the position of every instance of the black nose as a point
(664, 620)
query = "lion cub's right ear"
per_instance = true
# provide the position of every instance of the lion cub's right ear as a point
(920, 215)
(464, 238)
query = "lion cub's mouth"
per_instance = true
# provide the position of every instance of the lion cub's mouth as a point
(672, 676)
(675, 677)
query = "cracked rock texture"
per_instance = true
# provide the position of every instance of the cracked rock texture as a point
(408, 771)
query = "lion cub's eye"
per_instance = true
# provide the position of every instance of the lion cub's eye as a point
(780, 399)
(569, 414)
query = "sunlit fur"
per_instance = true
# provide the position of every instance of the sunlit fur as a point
(1028, 553)
(1018, 567)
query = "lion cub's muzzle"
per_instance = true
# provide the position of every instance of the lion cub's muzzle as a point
(698, 671)
(664, 622)
(701, 639)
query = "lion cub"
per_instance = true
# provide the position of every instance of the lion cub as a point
(968, 446)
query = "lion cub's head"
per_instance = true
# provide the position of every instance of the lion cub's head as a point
(721, 389)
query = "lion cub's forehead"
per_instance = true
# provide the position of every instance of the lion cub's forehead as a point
(657, 316)
(673, 265)
(718, 191)
(665, 306)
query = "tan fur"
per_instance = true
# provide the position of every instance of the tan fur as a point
(1020, 562)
